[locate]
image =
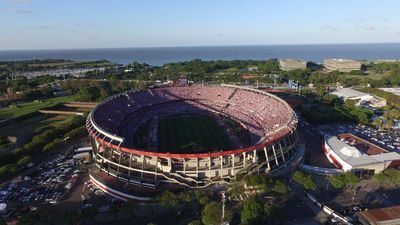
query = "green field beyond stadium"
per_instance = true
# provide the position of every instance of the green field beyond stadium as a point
(191, 133)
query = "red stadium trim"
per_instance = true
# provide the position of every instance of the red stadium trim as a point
(336, 162)
(198, 155)
(276, 136)
(105, 189)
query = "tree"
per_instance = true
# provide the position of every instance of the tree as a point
(320, 90)
(90, 213)
(201, 197)
(130, 207)
(71, 216)
(252, 212)
(280, 188)
(30, 218)
(272, 213)
(212, 214)
(305, 180)
(186, 198)
(194, 222)
(169, 200)
(344, 180)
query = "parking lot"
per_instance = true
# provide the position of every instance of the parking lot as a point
(387, 139)
(45, 183)
(93, 196)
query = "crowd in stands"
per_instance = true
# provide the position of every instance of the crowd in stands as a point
(262, 114)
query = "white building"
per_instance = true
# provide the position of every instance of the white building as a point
(349, 152)
(363, 98)
(395, 91)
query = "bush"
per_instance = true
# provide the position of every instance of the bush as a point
(388, 177)
(42, 129)
(9, 168)
(344, 180)
(24, 160)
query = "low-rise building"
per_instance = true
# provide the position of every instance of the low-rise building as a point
(364, 99)
(292, 64)
(342, 65)
(349, 152)
(382, 216)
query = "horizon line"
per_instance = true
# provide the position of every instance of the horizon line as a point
(200, 46)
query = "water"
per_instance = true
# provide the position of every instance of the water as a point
(158, 56)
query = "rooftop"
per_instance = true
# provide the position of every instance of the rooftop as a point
(349, 93)
(356, 151)
(391, 215)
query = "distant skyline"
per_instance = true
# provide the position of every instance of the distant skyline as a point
(46, 24)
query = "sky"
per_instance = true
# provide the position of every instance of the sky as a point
(64, 24)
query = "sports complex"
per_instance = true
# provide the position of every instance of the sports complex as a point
(186, 137)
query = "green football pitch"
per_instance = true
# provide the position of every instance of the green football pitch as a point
(191, 133)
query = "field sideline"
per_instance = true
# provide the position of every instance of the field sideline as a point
(192, 132)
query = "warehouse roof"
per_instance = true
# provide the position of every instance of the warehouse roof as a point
(347, 93)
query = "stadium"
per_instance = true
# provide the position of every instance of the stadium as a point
(186, 137)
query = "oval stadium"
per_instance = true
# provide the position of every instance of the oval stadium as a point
(187, 137)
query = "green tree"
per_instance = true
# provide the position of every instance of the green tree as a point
(280, 188)
(305, 180)
(252, 212)
(195, 222)
(90, 213)
(186, 198)
(71, 217)
(320, 90)
(212, 214)
(202, 197)
(169, 200)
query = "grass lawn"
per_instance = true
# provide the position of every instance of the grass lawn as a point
(29, 107)
(373, 76)
(24, 129)
(191, 133)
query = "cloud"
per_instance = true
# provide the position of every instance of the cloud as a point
(22, 1)
(24, 11)
(44, 27)
(370, 28)
(330, 28)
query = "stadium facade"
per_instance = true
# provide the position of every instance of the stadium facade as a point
(125, 171)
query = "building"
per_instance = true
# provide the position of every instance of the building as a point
(395, 91)
(382, 216)
(126, 171)
(349, 152)
(292, 64)
(363, 99)
(342, 65)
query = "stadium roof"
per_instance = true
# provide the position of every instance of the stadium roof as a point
(355, 157)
